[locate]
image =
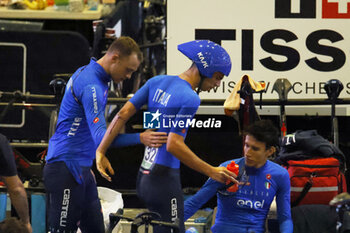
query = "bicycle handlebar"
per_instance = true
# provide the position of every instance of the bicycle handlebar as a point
(142, 219)
(174, 225)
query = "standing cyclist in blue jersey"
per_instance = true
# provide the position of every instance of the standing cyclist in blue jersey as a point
(171, 98)
(246, 209)
(70, 184)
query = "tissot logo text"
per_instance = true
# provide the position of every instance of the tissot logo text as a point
(295, 8)
(333, 9)
(303, 9)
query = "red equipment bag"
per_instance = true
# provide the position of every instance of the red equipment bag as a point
(315, 181)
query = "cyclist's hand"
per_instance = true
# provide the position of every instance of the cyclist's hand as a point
(103, 164)
(28, 227)
(153, 139)
(222, 174)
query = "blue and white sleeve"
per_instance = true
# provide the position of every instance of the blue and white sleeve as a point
(195, 202)
(92, 101)
(283, 205)
(141, 96)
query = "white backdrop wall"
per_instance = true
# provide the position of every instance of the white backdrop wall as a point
(305, 41)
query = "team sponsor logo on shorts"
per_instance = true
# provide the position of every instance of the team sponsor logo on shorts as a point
(173, 203)
(64, 208)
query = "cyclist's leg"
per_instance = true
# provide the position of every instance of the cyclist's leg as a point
(92, 217)
(64, 198)
(162, 193)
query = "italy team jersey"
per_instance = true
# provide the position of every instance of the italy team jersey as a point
(172, 103)
(78, 134)
(247, 208)
(81, 122)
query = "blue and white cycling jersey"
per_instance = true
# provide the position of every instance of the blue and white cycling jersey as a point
(173, 103)
(247, 209)
(81, 123)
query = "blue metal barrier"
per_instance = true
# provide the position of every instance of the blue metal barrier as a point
(38, 212)
(3, 206)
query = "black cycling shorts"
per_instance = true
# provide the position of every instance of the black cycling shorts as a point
(71, 205)
(160, 190)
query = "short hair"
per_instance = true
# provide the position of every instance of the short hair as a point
(13, 225)
(264, 131)
(125, 46)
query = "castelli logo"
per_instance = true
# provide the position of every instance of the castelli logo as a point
(96, 120)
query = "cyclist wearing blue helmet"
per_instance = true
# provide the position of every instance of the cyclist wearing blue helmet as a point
(210, 59)
(170, 98)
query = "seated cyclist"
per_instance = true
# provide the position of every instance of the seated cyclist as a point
(245, 208)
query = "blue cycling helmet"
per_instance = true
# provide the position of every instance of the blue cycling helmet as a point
(208, 56)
